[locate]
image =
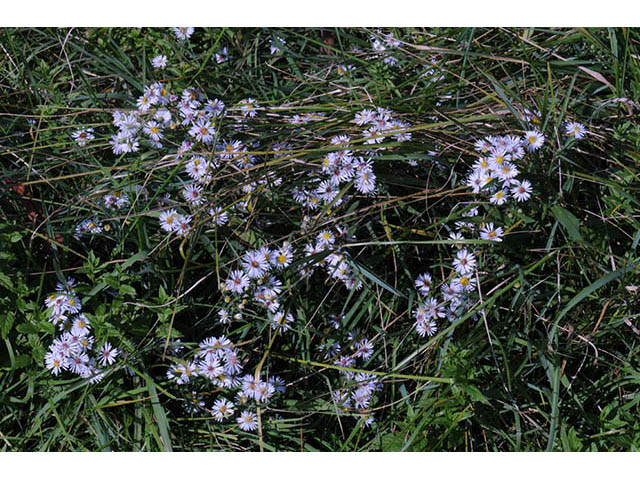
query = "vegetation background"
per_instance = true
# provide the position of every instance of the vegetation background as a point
(554, 366)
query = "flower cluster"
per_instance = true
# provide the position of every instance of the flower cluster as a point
(493, 174)
(328, 252)
(71, 350)
(220, 182)
(218, 362)
(357, 392)
(496, 170)
(116, 200)
(382, 43)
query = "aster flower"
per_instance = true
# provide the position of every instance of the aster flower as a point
(521, 191)
(183, 33)
(56, 362)
(203, 131)
(214, 107)
(426, 327)
(197, 167)
(210, 368)
(222, 56)
(281, 320)
(78, 364)
(247, 421)
(264, 391)
(232, 365)
(575, 130)
(325, 238)
(222, 409)
(248, 107)
(107, 354)
(192, 194)
(499, 198)
(465, 261)
(282, 257)
(218, 216)
(488, 232)
(365, 182)
(237, 282)
(276, 44)
(169, 220)
(254, 263)
(80, 325)
(159, 61)
(464, 283)
(364, 349)
(533, 139)
(183, 225)
(82, 136)
(423, 283)
(476, 181)
(378, 46)
(153, 130)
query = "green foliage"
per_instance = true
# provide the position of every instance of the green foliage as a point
(548, 360)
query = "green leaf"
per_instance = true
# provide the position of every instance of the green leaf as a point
(161, 416)
(127, 290)
(5, 281)
(47, 327)
(137, 257)
(601, 282)
(27, 328)
(375, 279)
(6, 322)
(22, 360)
(569, 221)
(474, 393)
